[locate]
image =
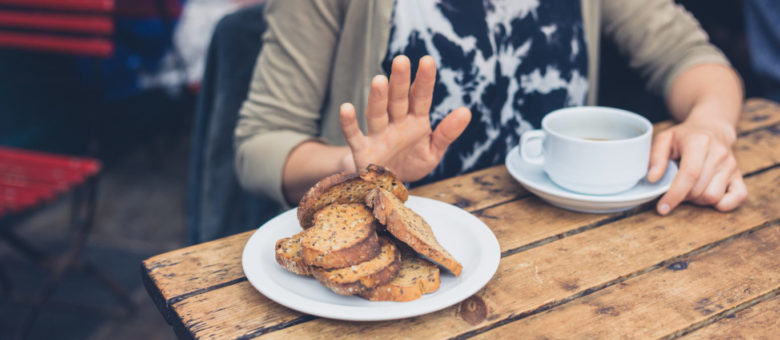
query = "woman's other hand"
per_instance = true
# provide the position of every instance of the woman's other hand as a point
(708, 173)
(399, 132)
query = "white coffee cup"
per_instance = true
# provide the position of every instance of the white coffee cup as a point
(591, 149)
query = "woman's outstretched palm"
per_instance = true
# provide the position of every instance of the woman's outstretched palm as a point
(399, 129)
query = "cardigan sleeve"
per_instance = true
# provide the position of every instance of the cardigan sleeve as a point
(287, 92)
(660, 38)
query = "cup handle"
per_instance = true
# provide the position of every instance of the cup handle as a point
(532, 137)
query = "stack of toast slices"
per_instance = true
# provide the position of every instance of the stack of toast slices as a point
(360, 239)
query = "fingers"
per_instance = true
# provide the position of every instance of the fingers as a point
(376, 110)
(659, 156)
(713, 165)
(449, 129)
(736, 194)
(693, 155)
(400, 77)
(719, 168)
(349, 126)
(421, 94)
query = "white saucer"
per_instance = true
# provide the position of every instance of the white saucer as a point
(533, 178)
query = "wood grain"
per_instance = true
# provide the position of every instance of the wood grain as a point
(190, 269)
(593, 251)
(658, 303)
(212, 318)
(761, 321)
(758, 149)
(476, 190)
(560, 271)
(758, 113)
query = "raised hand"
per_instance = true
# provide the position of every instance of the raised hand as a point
(399, 132)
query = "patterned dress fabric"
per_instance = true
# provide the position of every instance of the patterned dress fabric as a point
(509, 61)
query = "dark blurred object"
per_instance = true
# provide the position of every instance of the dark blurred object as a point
(29, 180)
(55, 102)
(217, 205)
(724, 23)
(763, 31)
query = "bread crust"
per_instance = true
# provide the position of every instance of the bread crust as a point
(289, 255)
(346, 187)
(389, 211)
(322, 245)
(416, 277)
(387, 263)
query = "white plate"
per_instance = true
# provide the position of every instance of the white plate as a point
(534, 179)
(469, 240)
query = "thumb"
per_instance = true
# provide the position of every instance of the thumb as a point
(449, 130)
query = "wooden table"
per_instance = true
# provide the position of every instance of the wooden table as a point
(696, 273)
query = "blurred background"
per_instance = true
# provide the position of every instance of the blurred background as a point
(138, 108)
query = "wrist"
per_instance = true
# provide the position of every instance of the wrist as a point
(715, 120)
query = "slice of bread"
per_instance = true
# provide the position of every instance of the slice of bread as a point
(342, 235)
(362, 277)
(410, 228)
(347, 188)
(416, 277)
(289, 254)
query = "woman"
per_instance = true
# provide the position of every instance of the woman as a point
(502, 66)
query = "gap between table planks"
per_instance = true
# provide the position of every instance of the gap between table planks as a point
(760, 321)
(185, 274)
(682, 296)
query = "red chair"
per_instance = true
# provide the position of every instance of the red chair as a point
(29, 179)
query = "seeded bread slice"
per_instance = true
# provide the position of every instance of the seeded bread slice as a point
(410, 228)
(348, 188)
(342, 235)
(289, 254)
(359, 278)
(416, 277)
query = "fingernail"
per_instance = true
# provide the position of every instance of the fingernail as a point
(663, 209)
(653, 170)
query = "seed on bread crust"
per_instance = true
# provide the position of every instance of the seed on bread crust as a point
(342, 235)
(359, 278)
(347, 188)
(289, 255)
(410, 228)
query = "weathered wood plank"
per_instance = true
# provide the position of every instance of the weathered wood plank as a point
(758, 113)
(560, 271)
(215, 318)
(758, 149)
(761, 321)
(476, 190)
(666, 300)
(189, 269)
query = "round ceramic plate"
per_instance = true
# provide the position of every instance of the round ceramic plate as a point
(469, 240)
(533, 178)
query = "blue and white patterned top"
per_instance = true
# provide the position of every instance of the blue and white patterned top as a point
(509, 61)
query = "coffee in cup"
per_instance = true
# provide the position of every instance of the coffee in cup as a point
(591, 149)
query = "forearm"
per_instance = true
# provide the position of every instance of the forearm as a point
(708, 95)
(308, 163)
